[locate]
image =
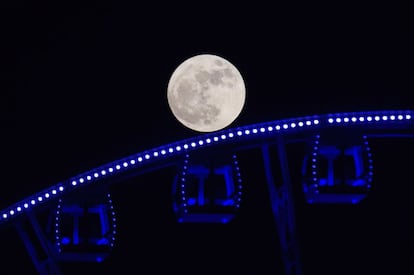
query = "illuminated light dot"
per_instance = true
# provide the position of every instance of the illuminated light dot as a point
(223, 136)
(239, 133)
(103, 172)
(407, 117)
(285, 126)
(89, 177)
(39, 198)
(74, 183)
(392, 117)
(231, 135)
(361, 118)
(330, 120)
(353, 119)
(193, 144)
(148, 156)
(338, 120)
(346, 119)
(81, 180)
(155, 154)
(200, 142)
(208, 140)
(247, 132)
(12, 212)
(185, 146)
(384, 118)
(125, 164)
(139, 159)
(132, 161)
(377, 118)
(61, 188)
(54, 192)
(4, 216)
(300, 124)
(170, 150)
(32, 202)
(178, 148)
(262, 130)
(369, 118)
(254, 131)
(277, 127)
(111, 170)
(215, 138)
(270, 128)
(308, 123)
(316, 122)
(163, 152)
(25, 205)
(96, 175)
(118, 167)
(293, 125)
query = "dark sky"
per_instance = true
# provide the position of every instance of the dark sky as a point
(88, 86)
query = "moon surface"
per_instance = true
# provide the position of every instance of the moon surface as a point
(206, 93)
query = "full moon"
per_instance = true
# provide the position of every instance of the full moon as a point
(206, 93)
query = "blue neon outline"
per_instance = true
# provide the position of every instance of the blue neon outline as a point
(373, 119)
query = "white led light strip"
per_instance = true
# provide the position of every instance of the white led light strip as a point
(379, 119)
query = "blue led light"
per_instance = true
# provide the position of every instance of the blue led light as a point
(61, 188)
(384, 117)
(125, 164)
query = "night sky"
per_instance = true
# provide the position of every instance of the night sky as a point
(88, 86)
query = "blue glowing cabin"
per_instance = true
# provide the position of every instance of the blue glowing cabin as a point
(85, 228)
(207, 191)
(337, 169)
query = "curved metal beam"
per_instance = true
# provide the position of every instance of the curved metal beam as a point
(239, 137)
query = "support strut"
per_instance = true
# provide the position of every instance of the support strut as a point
(283, 208)
(44, 260)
